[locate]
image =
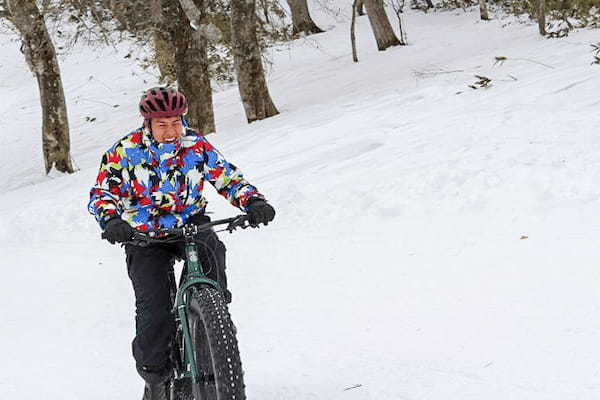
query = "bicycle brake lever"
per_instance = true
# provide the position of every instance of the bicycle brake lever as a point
(240, 222)
(231, 227)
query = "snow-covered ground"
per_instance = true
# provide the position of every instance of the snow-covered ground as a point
(431, 242)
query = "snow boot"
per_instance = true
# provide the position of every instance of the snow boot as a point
(157, 391)
(158, 382)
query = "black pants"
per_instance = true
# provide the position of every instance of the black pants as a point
(150, 269)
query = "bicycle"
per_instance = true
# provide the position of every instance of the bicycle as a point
(205, 355)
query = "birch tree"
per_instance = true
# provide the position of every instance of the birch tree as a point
(40, 56)
(252, 83)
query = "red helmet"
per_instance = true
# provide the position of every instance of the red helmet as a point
(160, 102)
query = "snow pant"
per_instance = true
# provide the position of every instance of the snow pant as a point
(150, 270)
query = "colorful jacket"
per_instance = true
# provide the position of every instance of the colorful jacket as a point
(155, 185)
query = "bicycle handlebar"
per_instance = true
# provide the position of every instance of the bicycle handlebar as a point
(187, 231)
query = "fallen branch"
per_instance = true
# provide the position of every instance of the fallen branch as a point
(353, 387)
(499, 60)
(482, 82)
(427, 74)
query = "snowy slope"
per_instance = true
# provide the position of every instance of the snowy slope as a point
(432, 241)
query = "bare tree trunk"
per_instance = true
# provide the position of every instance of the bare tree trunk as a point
(382, 29)
(353, 29)
(164, 57)
(483, 10)
(191, 65)
(301, 19)
(360, 7)
(164, 51)
(41, 58)
(248, 63)
(542, 17)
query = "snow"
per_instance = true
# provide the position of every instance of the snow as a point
(431, 241)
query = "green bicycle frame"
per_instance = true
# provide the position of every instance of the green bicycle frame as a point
(194, 276)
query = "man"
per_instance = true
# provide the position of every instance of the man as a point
(153, 178)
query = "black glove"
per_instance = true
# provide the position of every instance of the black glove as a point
(117, 230)
(198, 219)
(260, 212)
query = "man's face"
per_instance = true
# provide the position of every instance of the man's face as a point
(166, 130)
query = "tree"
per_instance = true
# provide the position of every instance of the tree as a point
(483, 10)
(541, 14)
(252, 83)
(177, 54)
(40, 56)
(164, 52)
(301, 19)
(382, 29)
(191, 61)
(353, 30)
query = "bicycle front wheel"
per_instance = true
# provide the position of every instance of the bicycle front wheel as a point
(215, 348)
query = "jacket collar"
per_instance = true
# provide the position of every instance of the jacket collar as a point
(160, 151)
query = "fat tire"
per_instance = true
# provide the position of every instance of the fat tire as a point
(215, 347)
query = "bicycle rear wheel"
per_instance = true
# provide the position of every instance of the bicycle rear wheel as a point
(215, 348)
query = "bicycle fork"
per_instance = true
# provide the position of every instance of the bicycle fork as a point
(193, 276)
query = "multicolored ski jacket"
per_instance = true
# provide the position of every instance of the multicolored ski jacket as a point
(155, 185)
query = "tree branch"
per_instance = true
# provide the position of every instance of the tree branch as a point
(192, 13)
(197, 21)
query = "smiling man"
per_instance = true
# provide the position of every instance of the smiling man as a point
(166, 130)
(153, 178)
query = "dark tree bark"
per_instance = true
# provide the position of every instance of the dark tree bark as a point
(382, 29)
(483, 10)
(542, 17)
(191, 65)
(353, 30)
(301, 19)
(252, 83)
(41, 57)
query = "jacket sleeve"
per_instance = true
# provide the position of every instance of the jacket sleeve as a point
(228, 179)
(105, 195)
